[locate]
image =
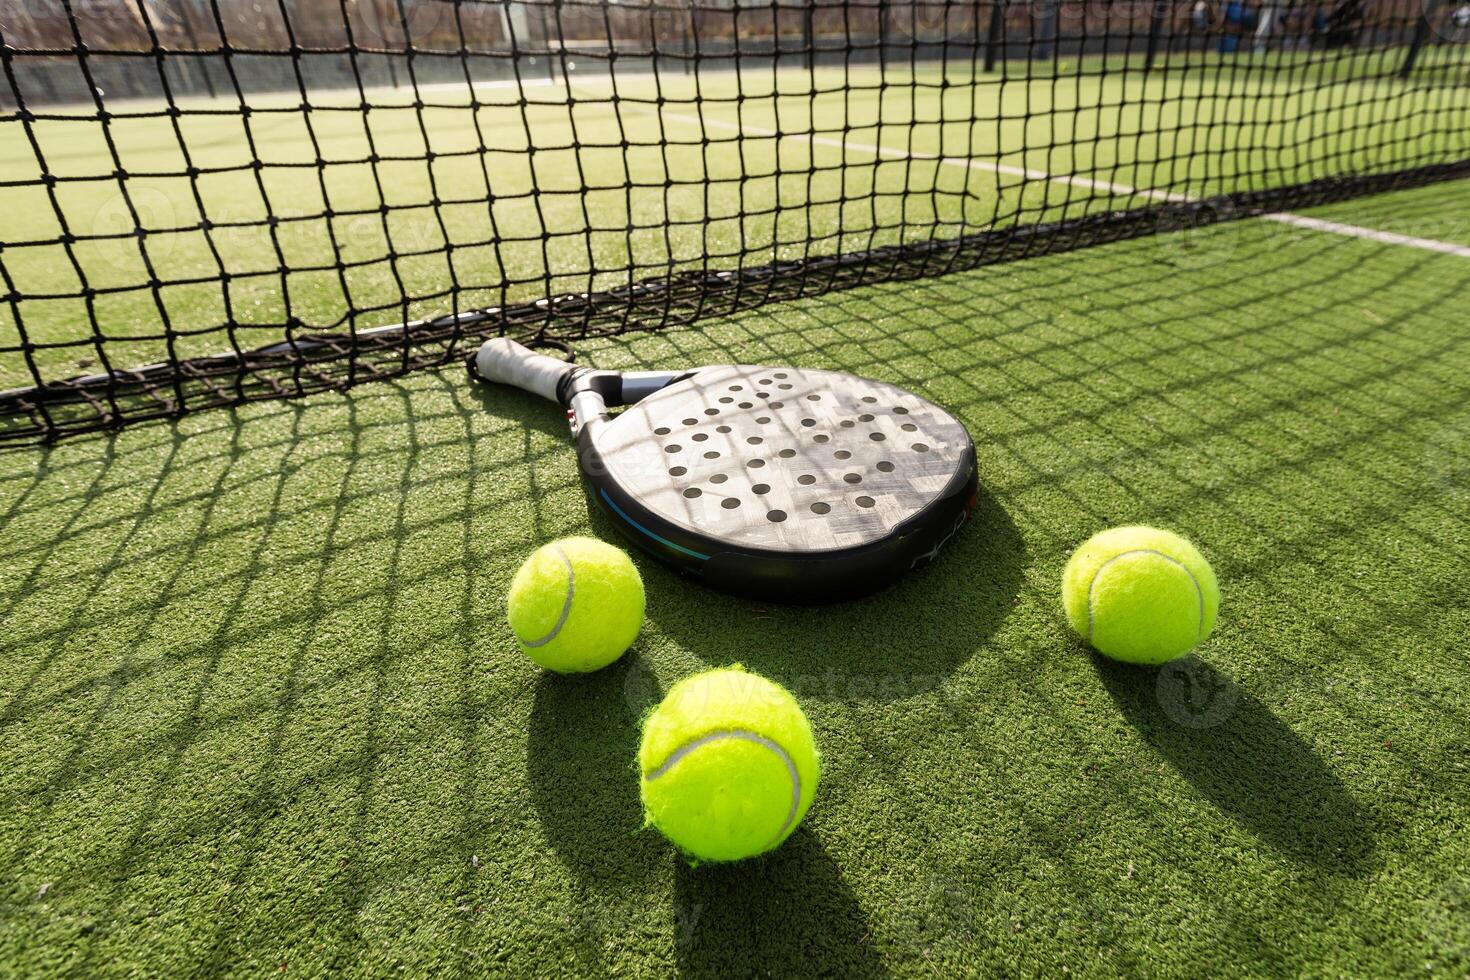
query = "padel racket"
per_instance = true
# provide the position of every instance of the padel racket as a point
(763, 481)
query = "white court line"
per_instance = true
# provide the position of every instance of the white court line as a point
(966, 162)
(1372, 234)
(1282, 217)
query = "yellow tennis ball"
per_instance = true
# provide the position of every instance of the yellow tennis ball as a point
(1140, 595)
(576, 605)
(729, 765)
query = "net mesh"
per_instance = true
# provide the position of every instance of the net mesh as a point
(209, 202)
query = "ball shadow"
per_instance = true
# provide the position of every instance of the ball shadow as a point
(789, 913)
(1240, 756)
(899, 642)
(581, 764)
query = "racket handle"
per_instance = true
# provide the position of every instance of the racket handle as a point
(503, 361)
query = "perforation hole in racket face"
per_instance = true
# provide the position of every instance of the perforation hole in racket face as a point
(785, 458)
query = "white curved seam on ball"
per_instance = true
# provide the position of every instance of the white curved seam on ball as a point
(1199, 592)
(760, 740)
(566, 607)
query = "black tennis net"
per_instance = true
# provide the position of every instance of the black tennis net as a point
(210, 202)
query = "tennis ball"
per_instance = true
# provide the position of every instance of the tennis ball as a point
(729, 765)
(576, 605)
(1140, 595)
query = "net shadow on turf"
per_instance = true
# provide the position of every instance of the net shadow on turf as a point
(1328, 362)
(292, 632)
(1149, 385)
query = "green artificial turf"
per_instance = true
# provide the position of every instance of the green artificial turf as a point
(261, 712)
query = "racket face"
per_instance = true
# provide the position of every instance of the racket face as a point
(793, 469)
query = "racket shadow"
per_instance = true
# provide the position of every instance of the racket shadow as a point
(894, 644)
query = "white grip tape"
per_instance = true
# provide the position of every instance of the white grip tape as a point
(506, 362)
